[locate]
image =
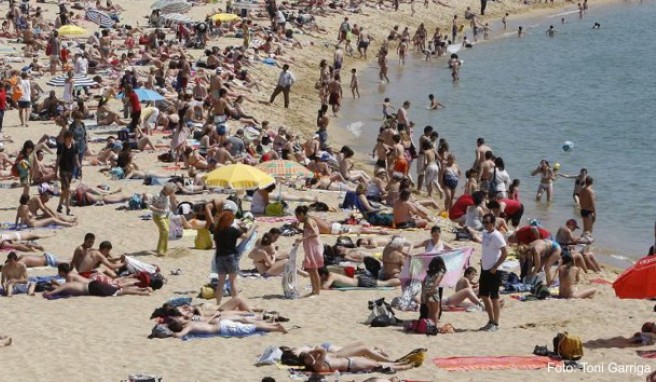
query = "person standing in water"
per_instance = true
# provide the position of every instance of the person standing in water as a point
(551, 31)
(579, 183)
(588, 207)
(546, 181)
(382, 63)
(520, 32)
(434, 104)
(354, 83)
(504, 20)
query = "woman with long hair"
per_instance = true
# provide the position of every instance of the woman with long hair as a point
(312, 247)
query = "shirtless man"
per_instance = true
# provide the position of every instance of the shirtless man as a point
(402, 118)
(583, 259)
(77, 285)
(14, 274)
(335, 93)
(373, 242)
(402, 49)
(487, 170)
(588, 207)
(41, 173)
(481, 149)
(406, 213)
(223, 327)
(87, 260)
(334, 280)
(222, 156)
(45, 260)
(311, 147)
(380, 151)
(569, 275)
(38, 203)
(220, 107)
(382, 63)
(393, 259)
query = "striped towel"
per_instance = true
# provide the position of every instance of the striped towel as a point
(494, 363)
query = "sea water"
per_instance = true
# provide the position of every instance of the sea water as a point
(526, 97)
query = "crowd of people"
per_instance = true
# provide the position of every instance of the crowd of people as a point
(201, 105)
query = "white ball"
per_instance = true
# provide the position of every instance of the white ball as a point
(568, 146)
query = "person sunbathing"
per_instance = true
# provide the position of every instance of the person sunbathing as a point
(466, 289)
(334, 280)
(77, 285)
(25, 217)
(24, 246)
(569, 275)
(45, 260)
(223, 327)
(91, 196)
(355, 349)
(204, 310)
(326, 183)
(192, 158)
(87, 260)
(14, 277)
(320, 361)
(394, 257)
(373, 242)
(38, 204)
(27, 236)
(42, 173)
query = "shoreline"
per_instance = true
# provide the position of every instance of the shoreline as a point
(614, 260)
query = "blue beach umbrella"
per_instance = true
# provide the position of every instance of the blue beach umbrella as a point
(145, 95)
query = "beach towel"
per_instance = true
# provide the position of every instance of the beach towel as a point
(650, 354)
(344, 289)
(289, 276)
(135, 266)
(456, 261)
(276, 219)
(494, 363)
(190, 337)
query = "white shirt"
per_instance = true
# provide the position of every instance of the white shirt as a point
(502, 180)
(492, 244)
(286, 78)
(81, 65)
(26, 88)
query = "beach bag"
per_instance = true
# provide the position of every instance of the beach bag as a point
(540, 290)
(275, 209)
(568, 347)
(422, 326)
(381, 314)
(372, 266)
(206, 292)
(379, 219)
(271, 356)
(203, 239)
(175, 227)
(160, 331)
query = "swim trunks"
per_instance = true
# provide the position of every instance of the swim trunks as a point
(51, 260)
(99, 289)
(408, 224)
(230, 328)
(585, 213)
(365, 281)
(338, 229)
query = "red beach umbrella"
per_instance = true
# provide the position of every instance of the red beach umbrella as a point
(639, 281)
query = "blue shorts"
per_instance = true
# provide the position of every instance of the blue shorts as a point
(235, 329)
(24, 104)
(226, 264)
(51, 260)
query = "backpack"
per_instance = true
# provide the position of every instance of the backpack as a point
(422, 326)
(568, 347)
(381, 314)
(540, 290)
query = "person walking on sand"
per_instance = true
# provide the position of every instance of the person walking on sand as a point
(161, 209)
(285, 82)
(67, 162)
(355, 90)
(25, 99)
(483, 6)
(494, 253)
(588, 207)
(335, 93)
(312, 247)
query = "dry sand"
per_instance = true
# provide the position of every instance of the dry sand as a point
(93, 339)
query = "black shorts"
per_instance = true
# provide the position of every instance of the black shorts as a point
(406, 225)
(586, 213)
(381, 163)
(517, 216)
(365, 281)
(489, 284)
(65, 179)
(101, 289)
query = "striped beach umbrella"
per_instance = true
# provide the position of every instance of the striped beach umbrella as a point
(100, 18)
(285, 169)
(176, 18)
(171, 6)
(78, 80)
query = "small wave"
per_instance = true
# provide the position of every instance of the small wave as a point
(355, 128)
(564, 13)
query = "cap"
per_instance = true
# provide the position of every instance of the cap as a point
(229, 205)
(572, 222)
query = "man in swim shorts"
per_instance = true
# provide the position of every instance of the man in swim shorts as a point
(226, 328)
(14, 277)
(45, 260)
(339, 229)
(77, 285)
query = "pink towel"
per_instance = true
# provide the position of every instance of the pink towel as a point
(494, 363)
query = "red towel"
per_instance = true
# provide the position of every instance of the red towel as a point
(494, 363)
(647, 353)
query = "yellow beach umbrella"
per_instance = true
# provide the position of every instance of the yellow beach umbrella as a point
(225, 17)
(239, 177)
(72, 31)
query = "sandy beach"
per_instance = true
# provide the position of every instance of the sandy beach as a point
(105, 339)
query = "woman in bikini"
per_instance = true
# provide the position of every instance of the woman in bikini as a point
(194, 159)
(320, 361)
(266, 259)
(546, 181)
(579, 183)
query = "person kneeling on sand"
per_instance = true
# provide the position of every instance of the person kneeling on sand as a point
(77, 285)
(466, 289)
(569, 275)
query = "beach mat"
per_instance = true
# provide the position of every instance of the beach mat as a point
(344, 289)
(494, 363)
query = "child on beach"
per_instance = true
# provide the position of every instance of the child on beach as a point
(388, 109)
(354, 83)
(513, 190)
(429, 287)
